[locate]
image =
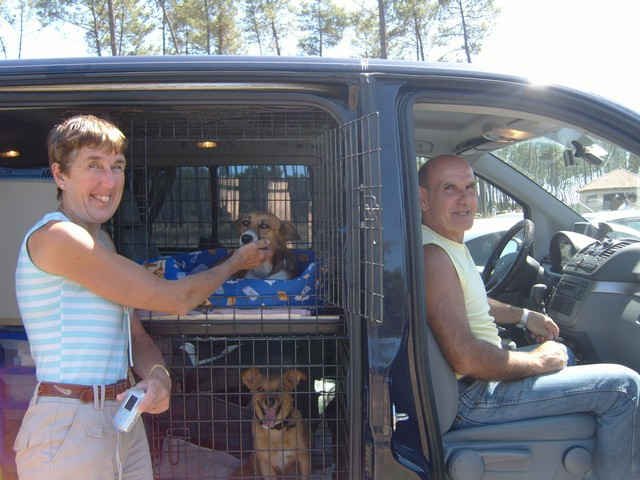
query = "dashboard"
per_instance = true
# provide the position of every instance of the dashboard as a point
(596, 301)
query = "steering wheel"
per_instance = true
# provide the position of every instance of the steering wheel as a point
(501, 269)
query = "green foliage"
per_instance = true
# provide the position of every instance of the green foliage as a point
(377, 28)
(323, 24)
(266, 22)
(131, 21)
(8, 18)
(415, 19)
(6, 13)
(462, 27)
(200, 27)
(366, 32)
(14, 15)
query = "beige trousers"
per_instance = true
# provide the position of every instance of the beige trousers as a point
(62, 439)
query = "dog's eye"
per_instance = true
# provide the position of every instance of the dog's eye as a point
(265, 226)
(245, 223)
(260, 389)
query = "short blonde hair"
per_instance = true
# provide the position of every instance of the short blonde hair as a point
(66, 138)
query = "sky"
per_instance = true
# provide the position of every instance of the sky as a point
(586, 44)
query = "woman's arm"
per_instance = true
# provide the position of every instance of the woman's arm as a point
(149, 366)
(68, 250)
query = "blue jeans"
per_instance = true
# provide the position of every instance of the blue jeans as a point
(608, 391)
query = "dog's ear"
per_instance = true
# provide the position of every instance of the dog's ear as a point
(288, 230)
(252, 378)
(291, 378)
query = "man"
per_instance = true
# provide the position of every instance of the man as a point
(499, 385)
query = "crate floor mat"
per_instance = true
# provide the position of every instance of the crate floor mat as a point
(180, 459)
(243, 293)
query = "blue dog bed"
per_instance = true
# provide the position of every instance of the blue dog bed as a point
(244, 293)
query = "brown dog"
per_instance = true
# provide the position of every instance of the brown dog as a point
(280, 264)
(280, 436)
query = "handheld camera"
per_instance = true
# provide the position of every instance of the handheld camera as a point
(126, 416)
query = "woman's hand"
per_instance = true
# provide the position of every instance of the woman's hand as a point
(250, 256)
(157, 388)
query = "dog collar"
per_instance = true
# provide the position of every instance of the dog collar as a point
(281, 425)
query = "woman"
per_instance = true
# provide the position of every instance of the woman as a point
(74, 293)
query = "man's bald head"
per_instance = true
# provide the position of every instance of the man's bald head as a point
(430, 169)
(448, 198)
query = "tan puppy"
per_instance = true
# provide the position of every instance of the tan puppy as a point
(280, 436)
(280, 263)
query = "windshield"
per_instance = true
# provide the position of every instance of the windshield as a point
(598, 179)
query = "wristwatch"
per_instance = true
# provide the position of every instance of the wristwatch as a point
(524, 318)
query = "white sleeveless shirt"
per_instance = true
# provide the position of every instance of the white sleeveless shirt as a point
(75, 336)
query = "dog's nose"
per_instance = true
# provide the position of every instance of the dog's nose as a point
(248, 237)
(270, 401)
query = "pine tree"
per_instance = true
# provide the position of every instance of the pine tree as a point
(366, 32)
(323, 24)
(464, 25)
(13, 15)
(267, 23)
(378, 29)
(416, 18)
(116, 27)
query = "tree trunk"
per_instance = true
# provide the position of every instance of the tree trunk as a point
(276, 41)
(256, 29)
(419, 42)
(121, 32)
(96, 31)
(320, 29)
(112, 28)
(464, 32)
(383, 28)
(208, 20)
(220, 37)
(164, 24)
(170, 26)
(21, 32)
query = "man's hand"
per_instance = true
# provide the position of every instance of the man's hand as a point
(552, 356)
(542, 327)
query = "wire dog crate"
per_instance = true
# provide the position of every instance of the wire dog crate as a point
(207, 432)
(293, 350)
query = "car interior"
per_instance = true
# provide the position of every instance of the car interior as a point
(550, 260)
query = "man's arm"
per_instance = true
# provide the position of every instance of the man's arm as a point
(155, 380)
(467, 355)
(541, 325)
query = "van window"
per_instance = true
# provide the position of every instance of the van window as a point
(596, 178)
(497, 213)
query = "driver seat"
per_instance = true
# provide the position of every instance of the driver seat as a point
(558, 447)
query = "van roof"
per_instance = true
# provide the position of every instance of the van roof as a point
(229, 64)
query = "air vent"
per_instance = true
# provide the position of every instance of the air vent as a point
(614, 248)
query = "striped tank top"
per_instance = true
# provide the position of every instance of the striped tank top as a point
(75, 336)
